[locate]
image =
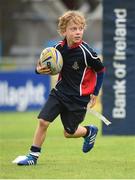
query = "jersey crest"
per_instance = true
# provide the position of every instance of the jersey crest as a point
(75, 66)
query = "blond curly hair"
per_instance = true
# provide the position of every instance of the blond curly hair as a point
(70, 16)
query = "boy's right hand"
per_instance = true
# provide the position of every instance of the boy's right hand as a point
(42, 69)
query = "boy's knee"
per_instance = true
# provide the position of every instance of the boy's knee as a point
(43, 124)
(68, 133)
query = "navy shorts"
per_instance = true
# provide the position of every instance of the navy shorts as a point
(71, 113)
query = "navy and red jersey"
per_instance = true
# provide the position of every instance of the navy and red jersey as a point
(82, 72)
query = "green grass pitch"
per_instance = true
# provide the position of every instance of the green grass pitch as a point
(112, 157)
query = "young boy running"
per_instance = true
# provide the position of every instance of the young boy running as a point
(79, 83)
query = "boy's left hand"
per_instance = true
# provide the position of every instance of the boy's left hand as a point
(93, 99)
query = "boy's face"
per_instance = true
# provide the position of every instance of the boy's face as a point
(74, 33)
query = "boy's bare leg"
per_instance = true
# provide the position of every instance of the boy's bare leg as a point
(40, 133)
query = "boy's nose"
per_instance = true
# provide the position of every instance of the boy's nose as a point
(78, 31)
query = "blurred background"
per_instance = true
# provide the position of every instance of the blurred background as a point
(28, 26)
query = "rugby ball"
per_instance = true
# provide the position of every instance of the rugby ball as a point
(52, 58)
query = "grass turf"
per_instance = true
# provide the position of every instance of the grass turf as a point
(113, 157)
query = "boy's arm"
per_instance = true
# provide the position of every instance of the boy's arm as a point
(96, 64)
(100, 76)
